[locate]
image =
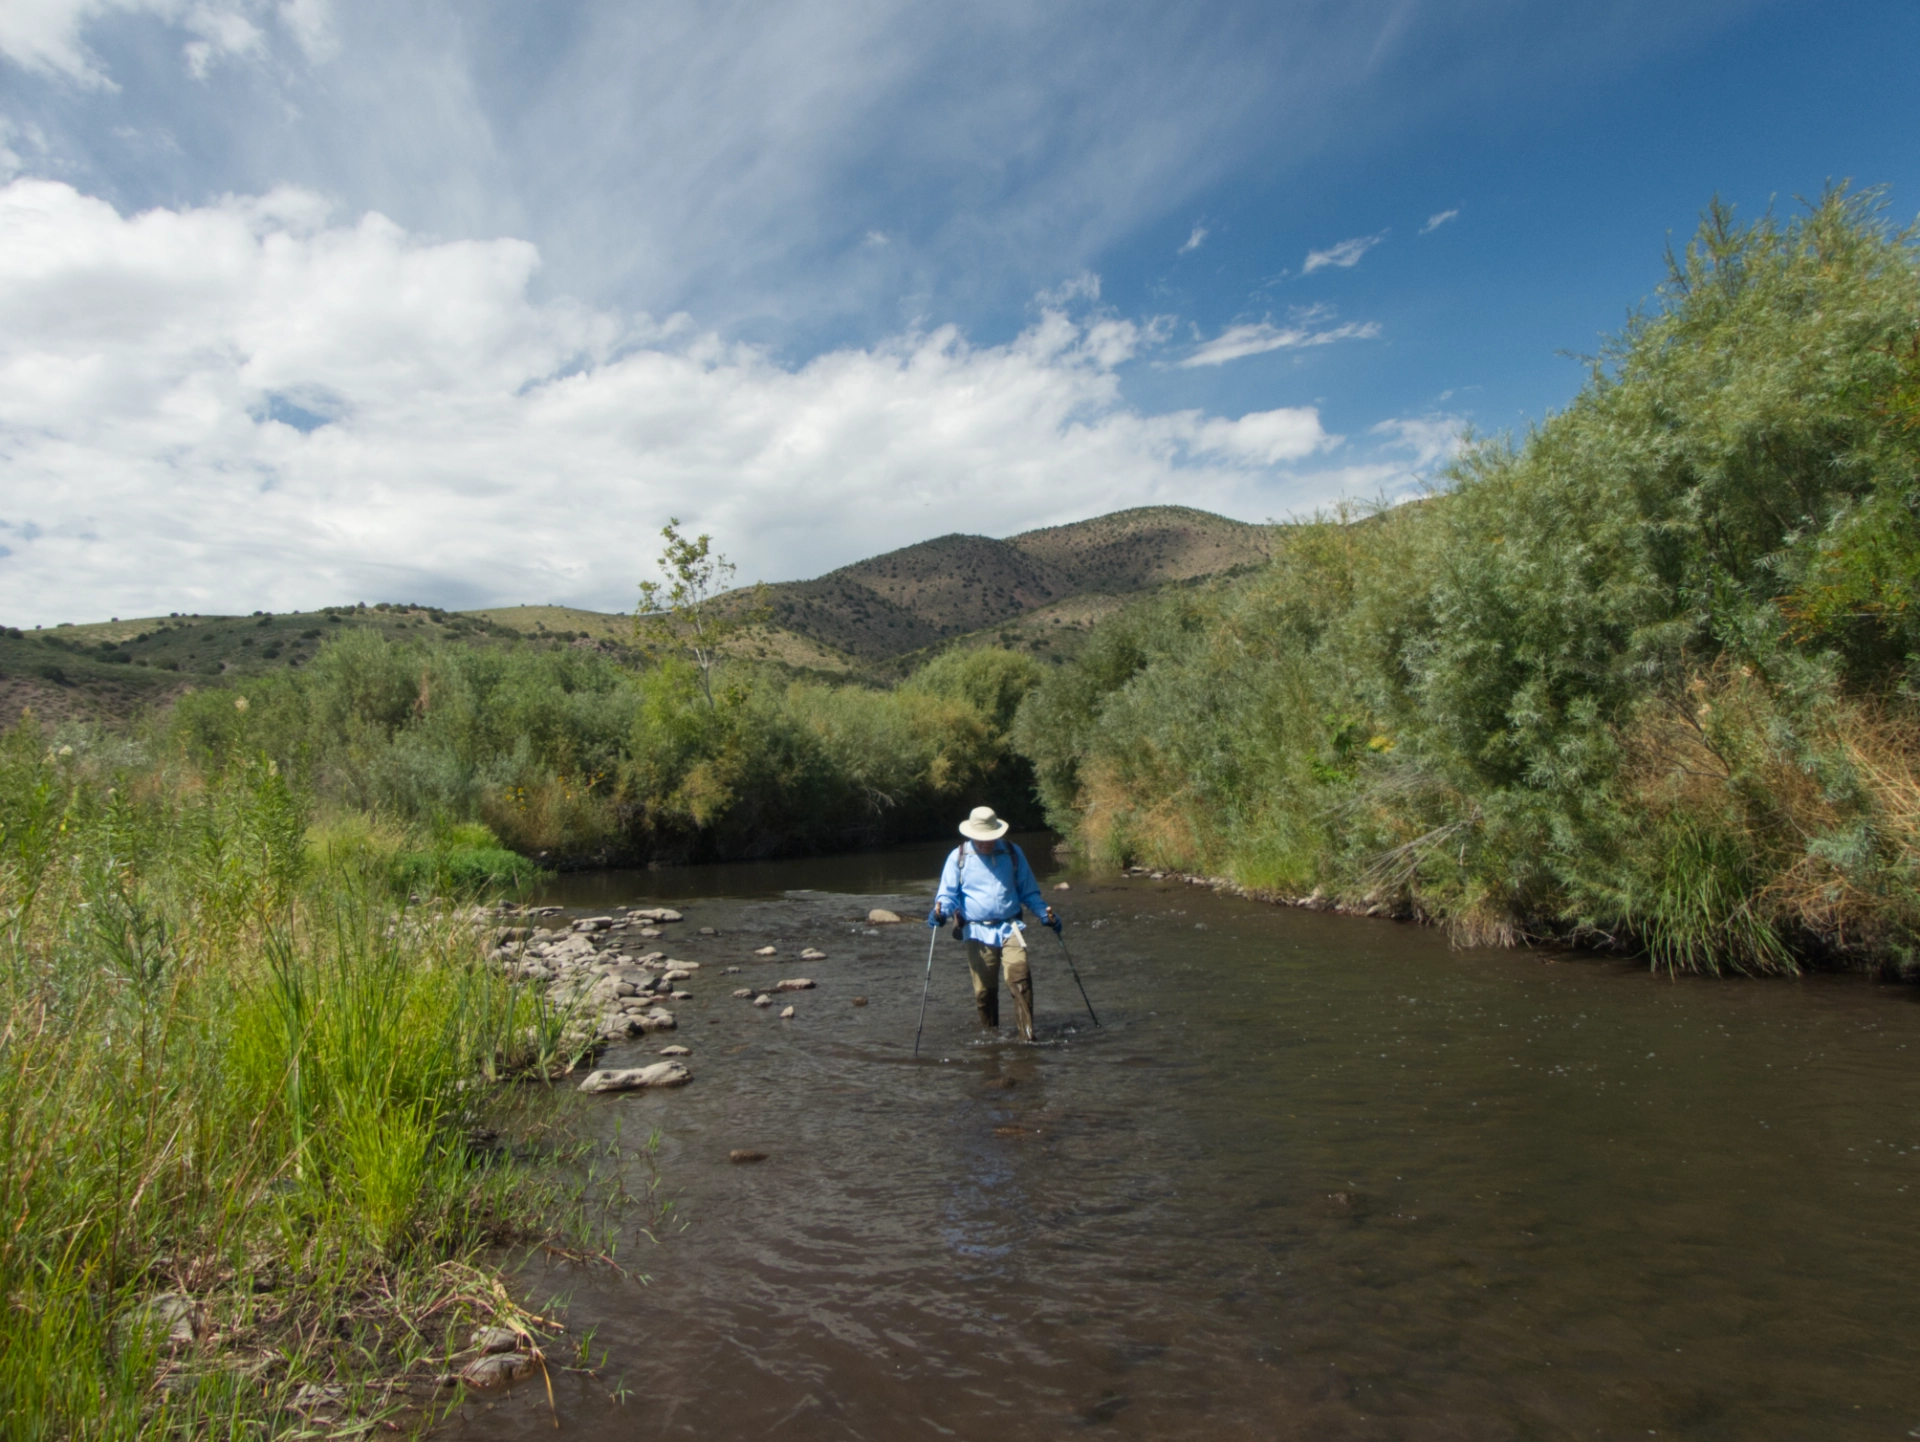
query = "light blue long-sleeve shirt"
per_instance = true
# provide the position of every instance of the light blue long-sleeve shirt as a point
(988, 889)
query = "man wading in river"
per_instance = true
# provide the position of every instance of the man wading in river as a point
(983, 887)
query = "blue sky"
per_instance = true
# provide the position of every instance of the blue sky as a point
(311, 300)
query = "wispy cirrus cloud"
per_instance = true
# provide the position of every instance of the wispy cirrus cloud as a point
(1194, 241)
(1438, 219)
(1346, 254)
(1433, 439)
(1259, 337)
(47, 35)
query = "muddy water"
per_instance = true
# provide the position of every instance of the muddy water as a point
(1314, 1177)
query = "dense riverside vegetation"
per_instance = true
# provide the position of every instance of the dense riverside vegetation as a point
(569, 754)
(239, 1089)
(1645, 678)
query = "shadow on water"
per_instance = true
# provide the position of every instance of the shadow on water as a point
(1315, 1177)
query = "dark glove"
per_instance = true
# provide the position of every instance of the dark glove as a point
(933, 917)
(1053, 921)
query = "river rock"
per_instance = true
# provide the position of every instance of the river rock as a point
(507, 935)
(654, 913)
(659, 1019)
(497, 1369)
(786, 1013)
(650, 931)
(745, 1154)
(797, 983)
(859, 1001)
(1063, 886)
(593, 923)
(813, 953)
(880, 916)
(743, 992)
(708, 931)
(681, 995)
(676, 1051)
(660, 1074)
(319, 1397)
(172, 1319)
(766, 951)
(489, 1341)
(763, 1000)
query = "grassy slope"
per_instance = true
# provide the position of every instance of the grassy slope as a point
(121, 666)
(1145, 547)
(758, 643)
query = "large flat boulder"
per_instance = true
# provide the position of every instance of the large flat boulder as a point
(628, 1079)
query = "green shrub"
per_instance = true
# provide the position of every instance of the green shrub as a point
(567, 754)
(1469, 705)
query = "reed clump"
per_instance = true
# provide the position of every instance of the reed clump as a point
(240, 1090)
(1645, 677)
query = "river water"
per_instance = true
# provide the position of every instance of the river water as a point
(1312, 1177)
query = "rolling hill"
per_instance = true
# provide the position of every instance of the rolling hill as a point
(1040, 591)
(908, 600)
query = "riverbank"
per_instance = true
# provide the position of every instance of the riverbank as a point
(266, 1128)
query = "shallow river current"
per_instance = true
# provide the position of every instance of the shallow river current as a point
(1312, 1177)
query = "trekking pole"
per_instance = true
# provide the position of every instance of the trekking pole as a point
(933, 935)
(1076, 975)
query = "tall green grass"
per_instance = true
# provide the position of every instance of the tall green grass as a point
(235, 1070)
(1645, 676)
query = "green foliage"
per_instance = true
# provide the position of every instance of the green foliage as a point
(992, 682)
(567, 753)
(1513, 704)
(234, 1070)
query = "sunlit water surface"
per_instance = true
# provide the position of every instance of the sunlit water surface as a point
(1312, 1177)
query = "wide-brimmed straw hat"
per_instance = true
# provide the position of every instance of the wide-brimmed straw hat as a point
(983, 825)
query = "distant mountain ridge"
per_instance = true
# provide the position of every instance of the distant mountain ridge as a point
(1040, 591)
(920, 595)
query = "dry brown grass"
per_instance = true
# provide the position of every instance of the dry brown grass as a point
(554, 815)
(1117, 827)
(1724, 750)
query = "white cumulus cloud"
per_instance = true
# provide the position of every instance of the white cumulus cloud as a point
(1345, 255)
(252, 404)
